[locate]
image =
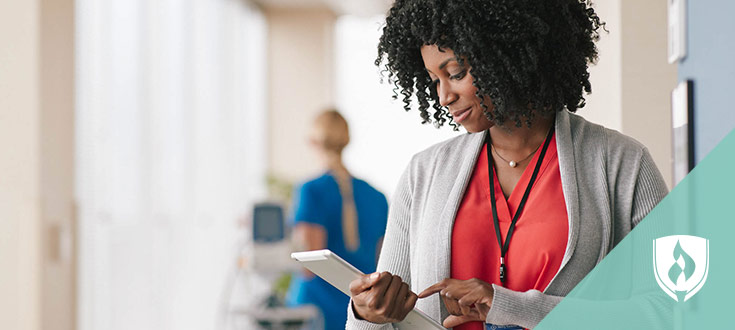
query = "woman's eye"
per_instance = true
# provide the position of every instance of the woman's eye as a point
(459, 75)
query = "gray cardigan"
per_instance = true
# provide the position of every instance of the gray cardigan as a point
(609, 182)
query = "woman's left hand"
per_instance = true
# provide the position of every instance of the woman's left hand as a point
(466, 301)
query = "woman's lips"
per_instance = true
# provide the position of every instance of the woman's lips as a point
(461, 115)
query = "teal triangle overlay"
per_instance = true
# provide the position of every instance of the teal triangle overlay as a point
(622, 292)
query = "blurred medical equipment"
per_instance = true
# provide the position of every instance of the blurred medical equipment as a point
(253, 298)
(271, 248)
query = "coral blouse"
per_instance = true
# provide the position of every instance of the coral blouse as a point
(539, 240)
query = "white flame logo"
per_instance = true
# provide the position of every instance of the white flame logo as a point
(681, 265)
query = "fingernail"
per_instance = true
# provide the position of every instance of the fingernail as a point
(374, 276)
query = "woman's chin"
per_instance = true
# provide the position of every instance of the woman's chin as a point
(475, 127)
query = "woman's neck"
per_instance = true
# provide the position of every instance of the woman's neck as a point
(334, 164)
(512, 140)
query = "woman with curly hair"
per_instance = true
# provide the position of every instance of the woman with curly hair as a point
(504, 221)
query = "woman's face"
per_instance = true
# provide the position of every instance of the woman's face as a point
(453, 83)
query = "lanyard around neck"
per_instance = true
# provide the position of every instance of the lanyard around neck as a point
(496, 221)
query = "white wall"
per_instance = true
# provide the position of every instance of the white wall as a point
(384, 137)
(20, 221)
(300, 85)
(57, 168)
(36, 191)
(170, 149)
(648, 79)
(604, 105)
(632, 82)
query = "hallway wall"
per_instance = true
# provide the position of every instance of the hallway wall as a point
(709, 62)
(37, 269)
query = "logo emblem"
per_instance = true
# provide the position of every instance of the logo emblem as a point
(681, 264)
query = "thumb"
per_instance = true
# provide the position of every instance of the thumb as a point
(363, 283)
(453, 321)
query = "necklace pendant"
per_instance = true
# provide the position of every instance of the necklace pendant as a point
(513, 164)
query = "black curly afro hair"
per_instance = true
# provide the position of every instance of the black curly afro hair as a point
(529, 56)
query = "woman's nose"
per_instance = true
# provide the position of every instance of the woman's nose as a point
(446, 95)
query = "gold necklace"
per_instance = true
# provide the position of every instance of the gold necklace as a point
(513, 163)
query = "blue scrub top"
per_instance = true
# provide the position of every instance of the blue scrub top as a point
(319, 202)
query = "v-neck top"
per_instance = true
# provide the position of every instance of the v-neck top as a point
(539, 240)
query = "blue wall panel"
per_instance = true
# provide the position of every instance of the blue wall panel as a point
(710, 63)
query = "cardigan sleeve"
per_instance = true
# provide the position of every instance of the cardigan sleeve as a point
(525, 309)
(650, 188)
(394, 256)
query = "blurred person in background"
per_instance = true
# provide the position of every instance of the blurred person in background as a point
(493, 228)
(335, 211)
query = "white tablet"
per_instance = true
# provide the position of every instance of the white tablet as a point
(340, 273)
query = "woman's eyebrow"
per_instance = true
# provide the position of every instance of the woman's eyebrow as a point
(443, 64)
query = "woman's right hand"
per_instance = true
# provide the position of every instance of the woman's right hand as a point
(381, 298)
